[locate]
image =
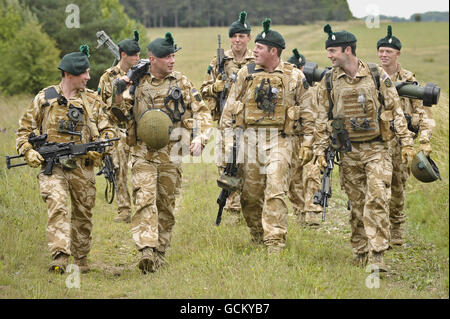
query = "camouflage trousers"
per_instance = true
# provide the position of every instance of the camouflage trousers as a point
(154, 187)
(367, 174)
(304, 182)
(265, 186)
(400, 175)
(70, 234)
(121, 157)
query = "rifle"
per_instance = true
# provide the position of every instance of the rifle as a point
(103, 38)
(229, 182)
(110, 175)
(321, 196)
(53, 152)
(135, 73)
(221, 70)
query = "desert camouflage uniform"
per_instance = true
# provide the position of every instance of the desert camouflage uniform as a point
(156, 175)
(421, 117)
(232, 67)
(265, 177)
(367, 169)
(69, 234)
(121, 154)
(305, 180)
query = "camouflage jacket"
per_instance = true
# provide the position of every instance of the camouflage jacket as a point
(45, 115)
(341, 80)
(232, 67)
(150, 94)
(106, 84)
(421, 116)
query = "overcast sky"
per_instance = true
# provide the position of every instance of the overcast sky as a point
(399, 8)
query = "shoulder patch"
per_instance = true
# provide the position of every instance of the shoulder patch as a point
(196, 95)
(209, 69)
(384, 76)
(99, 90)
(388, 82)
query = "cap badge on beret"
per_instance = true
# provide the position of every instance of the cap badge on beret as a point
(390, 40)
(263, 35)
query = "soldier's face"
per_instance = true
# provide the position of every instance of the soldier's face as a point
(388, 56)
(337, 57)
(163, 65)
(130, 60)
(79, 81)
(239, 41)
(262, 54)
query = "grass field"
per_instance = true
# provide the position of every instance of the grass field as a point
(220, 262)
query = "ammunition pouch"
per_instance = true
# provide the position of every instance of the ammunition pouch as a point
(387, 125)
(292, 124)
(340, 140)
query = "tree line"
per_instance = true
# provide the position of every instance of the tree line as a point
(210, 13)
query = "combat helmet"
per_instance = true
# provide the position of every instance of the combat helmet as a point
(424, 169)
(154, 128)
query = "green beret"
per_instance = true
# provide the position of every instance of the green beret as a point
(240, 26)
(76, 63)
(337, 39)
(389, 41)
(297, 59)
(163, 47)
(270, 37)
(130, 46)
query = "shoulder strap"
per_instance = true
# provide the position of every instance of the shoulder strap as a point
(376, 78)
(329, 85)
(90, 124)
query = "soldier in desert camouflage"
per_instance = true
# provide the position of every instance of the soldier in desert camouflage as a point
(305, 180)
(269, 98)
(420, 121)
(234, 59)
(129, 51)
(357, 103)
(168, 95)
(74, 179)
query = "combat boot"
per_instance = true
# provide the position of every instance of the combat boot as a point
(160, 258)
(397, 235)
(147, 262)
(377, 259)
(312, 219)
(124, 217)
(274, 250)
(360, 260)
(301, 218)
(59, 263)
(82, 265)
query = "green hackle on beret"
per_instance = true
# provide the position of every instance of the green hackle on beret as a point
(162, 47)
(131, 46)
(240, 26)
(297, 59)
(76, 63)
(270, 37)
(389, 41)
(336, 39)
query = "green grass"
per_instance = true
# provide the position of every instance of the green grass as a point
(221, 262)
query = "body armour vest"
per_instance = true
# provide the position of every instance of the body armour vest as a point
(67, 121)
(358, 105)
(266, 98)
(167, 95)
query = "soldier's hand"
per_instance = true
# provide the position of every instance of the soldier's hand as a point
(219, 85)
(305, 155)
(33, 158)
(426, 148)
(321, 161)
(408, 155)
(95, 157)
(196, 149)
